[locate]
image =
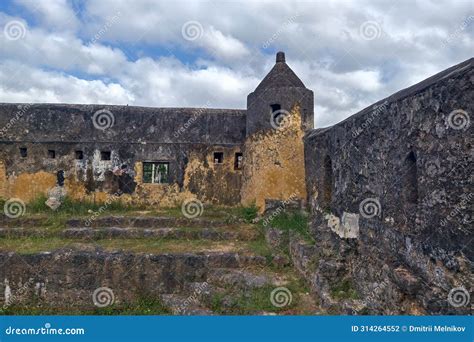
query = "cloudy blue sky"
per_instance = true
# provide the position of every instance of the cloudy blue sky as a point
(213, 53)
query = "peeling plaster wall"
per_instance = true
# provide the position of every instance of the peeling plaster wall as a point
(186, 138)
(192, 173)
(274, 163)
(405, 169)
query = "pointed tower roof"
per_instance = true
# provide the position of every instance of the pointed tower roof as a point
(281, 75)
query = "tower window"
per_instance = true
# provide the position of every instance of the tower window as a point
(23, 152)
(104, 155)
(79, 155)
(275, 107)
(51, 154)
(410, 180)
(238, 161)
(218, 157)
(60, 177)
(156, 172)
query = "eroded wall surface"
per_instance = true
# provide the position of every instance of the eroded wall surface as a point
(391, 200)
(274, 163)
(185, 138)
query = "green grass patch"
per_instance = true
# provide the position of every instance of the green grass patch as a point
(287, 221)
(344, 290)
(248, 213)
(31, 245)
(78, 208)
(250, 302)
(144, 305)
(260, 247)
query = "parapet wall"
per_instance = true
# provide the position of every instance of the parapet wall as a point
(390, 190)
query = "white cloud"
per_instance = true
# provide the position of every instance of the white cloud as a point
(20, 83)
(323, 43)
(57, 14)
(223, 46)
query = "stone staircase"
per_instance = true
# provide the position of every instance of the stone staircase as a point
(158, 227)
(199, 266)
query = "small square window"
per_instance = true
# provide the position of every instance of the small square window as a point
(79, 155)
(23, 152)
(51, 154)
(104, 155)
(275, 107)
(156, 172)
(238, 161)
(218, 157)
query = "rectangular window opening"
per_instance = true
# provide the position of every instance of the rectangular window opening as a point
(156, 172)
(79, 155)
(238, 161)
(218, 157)
(104, 155)
(275, 107)
(23, 152)
(51, 154)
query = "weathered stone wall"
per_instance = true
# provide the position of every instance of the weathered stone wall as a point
(391, 198)
(69, 278)
(274, 167)
(186, 138)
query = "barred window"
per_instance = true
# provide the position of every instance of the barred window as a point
(238, 161)
(156, 172)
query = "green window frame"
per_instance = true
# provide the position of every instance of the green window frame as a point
(156, 172)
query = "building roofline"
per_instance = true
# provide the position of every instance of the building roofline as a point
(94, 106)
(401, 94)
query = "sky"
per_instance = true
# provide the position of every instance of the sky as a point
(213, 53)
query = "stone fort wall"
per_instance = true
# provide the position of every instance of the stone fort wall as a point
(390, 192)
(186, 138)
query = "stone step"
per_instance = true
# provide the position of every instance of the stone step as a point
(23, 222)
(145, 222)
(216, 234)
(238, 278)
(22, 232)
(185, 305)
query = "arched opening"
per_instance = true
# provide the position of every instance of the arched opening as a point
(410, 180)
(327, 184)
